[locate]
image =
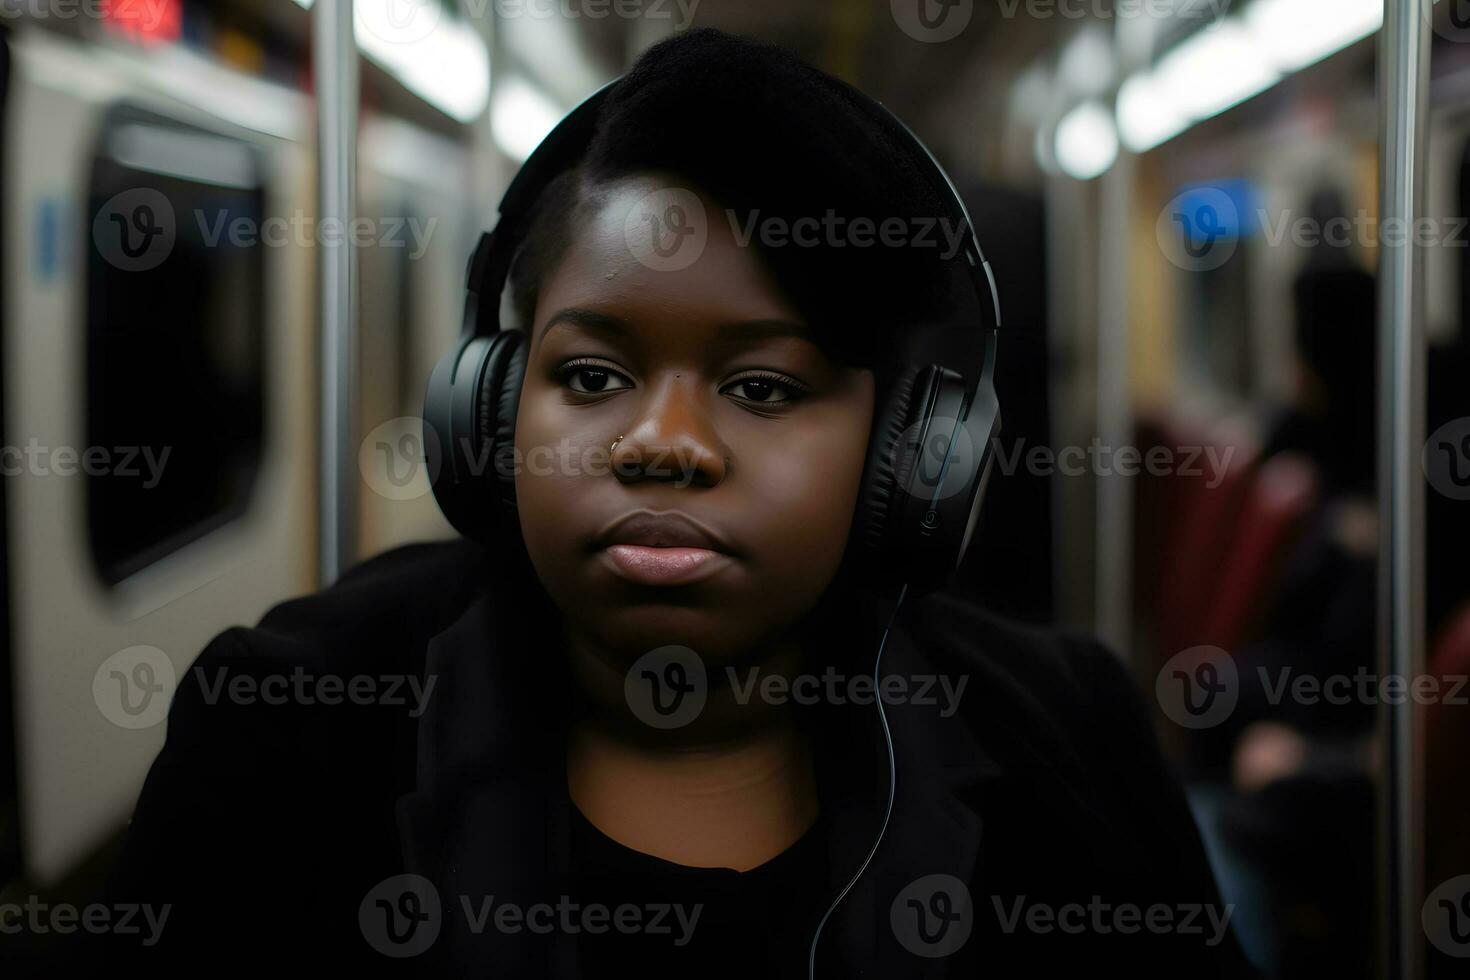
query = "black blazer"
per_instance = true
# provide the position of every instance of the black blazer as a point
(1044, 797)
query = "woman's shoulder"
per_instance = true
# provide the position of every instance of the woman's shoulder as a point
(1072, 728)
(365, 633)
(1059, 694)
(1055, 665)
(287, 746)
(416, 588)
(374, 611)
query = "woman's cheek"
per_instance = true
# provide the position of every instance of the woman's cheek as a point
(549, 478)
(809, 493)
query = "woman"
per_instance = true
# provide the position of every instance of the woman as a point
(644, 737)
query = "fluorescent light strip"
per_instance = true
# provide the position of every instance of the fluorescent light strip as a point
(446, 63)
(1087, 142)
(1215, 69)
(1299, 33)
(1222, 66)
(521, 118)
(1146, 115)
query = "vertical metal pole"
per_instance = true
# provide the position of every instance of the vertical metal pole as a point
(1113, 581)
(335, 54)
(1403, 64)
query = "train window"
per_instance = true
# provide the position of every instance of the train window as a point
(175, 336)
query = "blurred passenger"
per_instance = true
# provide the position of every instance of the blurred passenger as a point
(1303, 796)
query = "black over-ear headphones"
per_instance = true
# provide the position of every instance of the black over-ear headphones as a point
(929, 457)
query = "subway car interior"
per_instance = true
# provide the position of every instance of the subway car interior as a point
(1235, 447)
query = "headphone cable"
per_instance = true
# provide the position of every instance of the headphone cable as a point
(892, 784)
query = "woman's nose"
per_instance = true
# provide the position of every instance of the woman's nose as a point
(672, 439)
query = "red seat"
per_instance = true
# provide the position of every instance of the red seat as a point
(1205, 524)
(1447, 755)
(1282, 492)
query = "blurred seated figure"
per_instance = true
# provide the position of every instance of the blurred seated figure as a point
(1447, 768)
(1293, 591)
(1292, 809)
(1320, 620)
(1447, 623)
(1332, 418)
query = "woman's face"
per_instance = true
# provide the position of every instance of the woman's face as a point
(729, 414)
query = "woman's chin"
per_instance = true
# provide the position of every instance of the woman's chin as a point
(717, 636)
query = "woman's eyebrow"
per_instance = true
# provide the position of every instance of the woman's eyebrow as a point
(590, 319)
(730, 334)
(750, 331)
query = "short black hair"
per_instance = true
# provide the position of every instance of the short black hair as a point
(767, 136)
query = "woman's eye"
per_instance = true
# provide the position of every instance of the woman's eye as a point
(593, 379)
(766, 391)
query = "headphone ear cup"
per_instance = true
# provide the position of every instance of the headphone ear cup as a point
(469, 433)
(887, 468)
(496, 405)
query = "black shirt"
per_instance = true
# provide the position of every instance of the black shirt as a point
(712, 922)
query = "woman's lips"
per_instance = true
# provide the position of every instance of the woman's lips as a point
(645, 565)
(662, 548)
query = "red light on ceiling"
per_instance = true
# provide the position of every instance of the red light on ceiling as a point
(144, 21)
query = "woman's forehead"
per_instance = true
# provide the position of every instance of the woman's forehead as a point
(624, 259)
